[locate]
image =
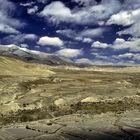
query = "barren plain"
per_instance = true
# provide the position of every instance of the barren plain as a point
(39, 102)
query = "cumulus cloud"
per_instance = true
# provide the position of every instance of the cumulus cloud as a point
(129, 57)
(30, 36)
(92, 32)
(84, 61)
(103, 62)
(127, 18)
(126, 13)
(28, 4)
(136, 57)
(32, 10)
(43, 1)
(131, 4)
(133, 44)
(121, 51)
(85, 35)
(69, 53)
(118, 59)
(119, 41)
(90, 14)
(24, 46)
(19, 38)
(96, 61)
(98, 44)
(133, 8)
(124, 18)
(67, 32)
(87, 40)
(133, 30)
(7, 23)
(126, 55)
(51, 41)
(8, 29)
(85, 2)
(57, 9)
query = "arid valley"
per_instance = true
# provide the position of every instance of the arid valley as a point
(69, 69)
(68, 103)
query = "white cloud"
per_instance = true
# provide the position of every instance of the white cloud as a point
(94, 61)
(112, 60)
(128, 56)
(125, 18)
(28, 4)
(19, 38)
(85, 35)
(24, 45)
(7, 23)
(102, 62)
(119, 41)
(30, 36)
(133, 44)
(7, 29)
(43, 1)
(87, 40)
(98, 44)
(133, 30)
(85, 2)
(56, 9)
(67, 32)
(131, 4)
(92, 32)
(32, 10)
(37, 46)
(69, 53)
(136, 57)
(90, 14)
(84, 61)
(52, 41)
(78, 38)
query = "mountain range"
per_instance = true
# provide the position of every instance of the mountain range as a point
(33, 56)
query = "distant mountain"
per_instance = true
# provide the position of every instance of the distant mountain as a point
(33, 56)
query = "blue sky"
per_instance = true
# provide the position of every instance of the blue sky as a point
(89, 31)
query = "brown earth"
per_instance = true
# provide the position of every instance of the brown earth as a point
(68, 103)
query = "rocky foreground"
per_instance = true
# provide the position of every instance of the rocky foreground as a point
(71, 104)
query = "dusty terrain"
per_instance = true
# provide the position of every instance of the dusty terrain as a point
(39, 102)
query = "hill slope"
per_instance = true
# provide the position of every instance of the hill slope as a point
(12, 66)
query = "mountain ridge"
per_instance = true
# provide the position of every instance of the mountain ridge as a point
(33, 56)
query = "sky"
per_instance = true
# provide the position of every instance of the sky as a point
(85, 31)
